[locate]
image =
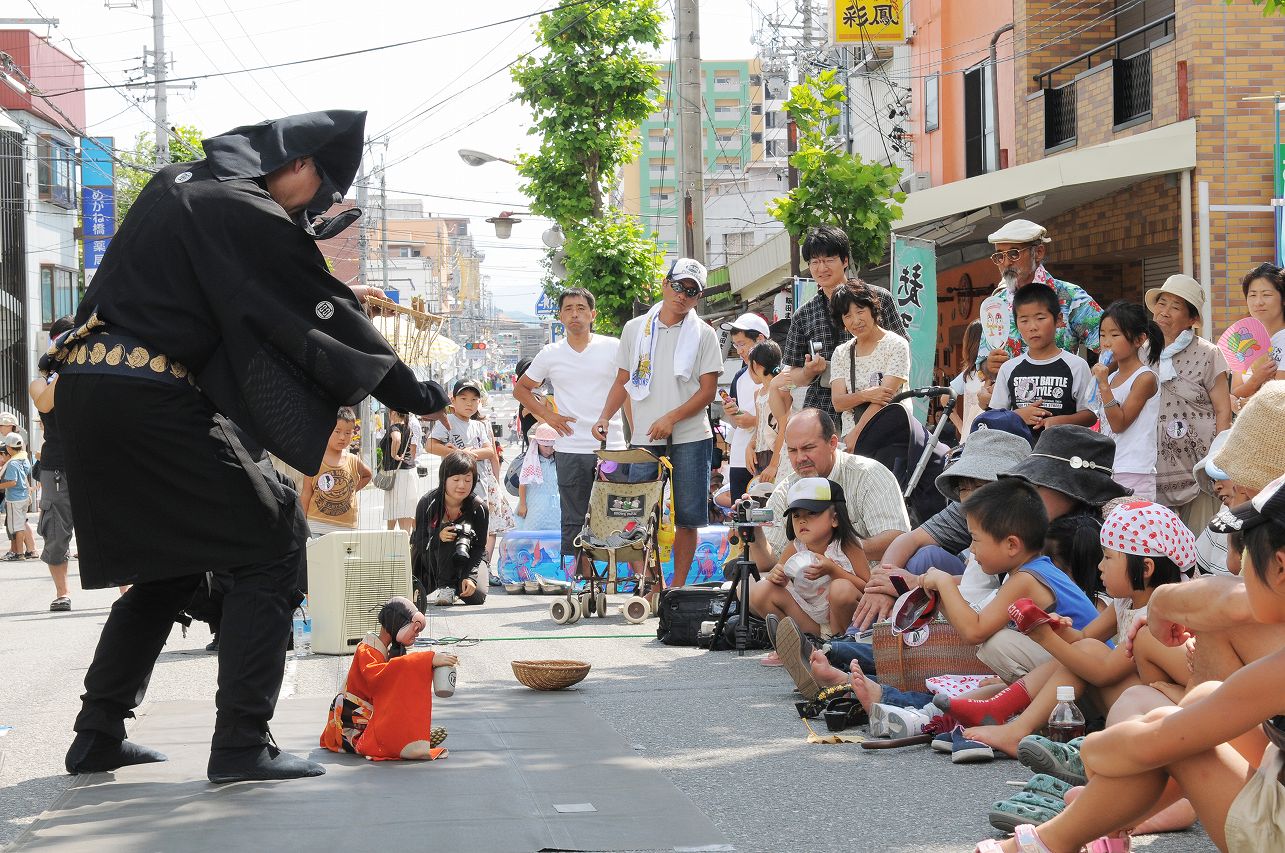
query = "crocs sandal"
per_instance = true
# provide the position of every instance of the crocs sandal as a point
(1059, 760)
(1027, 616)
(1024, 807)
(1042, 783)
(1110, 844)
(61, 604)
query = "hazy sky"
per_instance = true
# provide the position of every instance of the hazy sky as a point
(454, 81)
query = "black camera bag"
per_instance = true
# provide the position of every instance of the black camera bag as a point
(684, 608)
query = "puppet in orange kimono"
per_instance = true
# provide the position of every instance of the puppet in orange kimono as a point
(386, 709)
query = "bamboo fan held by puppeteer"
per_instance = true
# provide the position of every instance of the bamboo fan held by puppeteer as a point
(410, 330)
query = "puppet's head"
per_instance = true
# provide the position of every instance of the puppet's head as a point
(403, 623)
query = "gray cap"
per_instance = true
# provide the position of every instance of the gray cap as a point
(987, 454)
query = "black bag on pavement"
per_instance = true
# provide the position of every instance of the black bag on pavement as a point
(684, 608)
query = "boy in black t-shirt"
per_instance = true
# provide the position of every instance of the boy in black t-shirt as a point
(1045, 385)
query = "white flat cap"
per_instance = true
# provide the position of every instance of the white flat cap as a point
(1020, 231)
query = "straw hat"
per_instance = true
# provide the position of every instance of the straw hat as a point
(1255, 451)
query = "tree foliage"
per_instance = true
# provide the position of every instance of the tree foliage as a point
(589, 90)
(836, 188)
(131, 179)
(1270, 7)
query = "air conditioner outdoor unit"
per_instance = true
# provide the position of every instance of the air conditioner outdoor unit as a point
(350, 576)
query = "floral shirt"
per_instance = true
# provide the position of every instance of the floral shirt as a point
(1081, 316)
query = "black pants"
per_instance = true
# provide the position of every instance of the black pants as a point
(738, 479)
(252, 646)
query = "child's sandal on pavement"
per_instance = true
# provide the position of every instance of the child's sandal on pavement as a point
(1027, 842)
(1109, 844)
(1024, 807)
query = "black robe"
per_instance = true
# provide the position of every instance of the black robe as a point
(209, 270)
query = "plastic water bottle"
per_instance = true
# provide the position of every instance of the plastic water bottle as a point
(302, 630)
(1066, 723)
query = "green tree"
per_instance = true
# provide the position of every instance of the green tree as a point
(1270, 7)
(141, 160)
(836, 188)
(589, 90)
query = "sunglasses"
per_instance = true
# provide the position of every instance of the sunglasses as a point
(691, 291)
(1011, 255)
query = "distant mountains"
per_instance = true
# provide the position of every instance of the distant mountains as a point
(519, 317)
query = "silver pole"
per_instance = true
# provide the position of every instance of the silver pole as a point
(160, 72)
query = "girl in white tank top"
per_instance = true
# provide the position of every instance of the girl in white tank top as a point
(1127, 397)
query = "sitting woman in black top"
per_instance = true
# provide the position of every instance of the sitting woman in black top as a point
(448, 546)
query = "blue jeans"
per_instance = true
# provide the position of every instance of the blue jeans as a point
(843, 652)
(934, 557)
(690, 483)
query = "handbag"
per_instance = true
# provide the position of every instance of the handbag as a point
(941, 652)
(384, 480)
(511, 475)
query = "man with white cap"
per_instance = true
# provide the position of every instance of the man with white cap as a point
(668, 365)
(739, 408)
(1019, 254)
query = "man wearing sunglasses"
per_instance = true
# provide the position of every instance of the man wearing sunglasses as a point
(668, 364)
(1019, 255)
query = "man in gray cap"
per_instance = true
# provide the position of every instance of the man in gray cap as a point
(1019, 254)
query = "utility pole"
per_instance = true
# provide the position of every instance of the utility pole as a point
(691, 137)
(160, 71)
(363, 258)
(383, 213)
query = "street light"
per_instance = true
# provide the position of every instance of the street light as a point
(504, 224)
(477, 158)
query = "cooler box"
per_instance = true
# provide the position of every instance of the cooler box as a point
(351, 575)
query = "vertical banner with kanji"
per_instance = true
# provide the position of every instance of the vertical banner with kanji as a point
(914, 288)
(97, 199)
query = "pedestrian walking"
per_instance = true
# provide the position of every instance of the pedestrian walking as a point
(16, 482)
(54, 524)
(581, 369)
(214, 281)
(668, 366)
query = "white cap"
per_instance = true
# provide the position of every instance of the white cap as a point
(748, 323)
(1065, 693)
(13, 439)
(1020, 231)
(689, 269)
(8, 419)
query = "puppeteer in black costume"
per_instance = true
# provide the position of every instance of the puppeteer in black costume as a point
(214, 332)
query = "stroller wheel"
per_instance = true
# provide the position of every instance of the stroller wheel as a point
(561, 611)
(600, 604)
(635, 610)
(577, 609)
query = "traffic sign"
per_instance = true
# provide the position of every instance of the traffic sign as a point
(557, 332)
(545, 306)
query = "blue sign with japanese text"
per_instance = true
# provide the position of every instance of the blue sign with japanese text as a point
(97, 169)
(98, 213)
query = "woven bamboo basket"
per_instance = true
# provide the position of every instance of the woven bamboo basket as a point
(550, 674)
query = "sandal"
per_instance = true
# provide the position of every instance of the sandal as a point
(1028, 841)
(1027, 616)
(1059, 760)
(1024, 807)
(816, 706)
(61, 604)
(794, 650)
(1042, 783)
(1110, 844)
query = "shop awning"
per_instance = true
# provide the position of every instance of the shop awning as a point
(968, 210)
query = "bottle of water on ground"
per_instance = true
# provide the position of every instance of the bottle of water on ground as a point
(302, 626)
(1066, 723)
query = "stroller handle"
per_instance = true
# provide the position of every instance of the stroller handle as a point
(930, 391)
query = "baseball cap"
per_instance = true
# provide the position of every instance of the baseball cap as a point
(470, 385)
(688, 268)
(749, 322)
(1267, 505)
(8, 419)
(813, 494)
(13, 440)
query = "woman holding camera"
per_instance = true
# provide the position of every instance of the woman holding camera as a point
(448, 547)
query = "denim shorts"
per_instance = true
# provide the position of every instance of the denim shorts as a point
(690, 482)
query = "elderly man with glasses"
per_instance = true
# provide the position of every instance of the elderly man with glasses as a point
(1019, 254)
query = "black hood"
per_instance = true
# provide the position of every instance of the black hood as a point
(334, 138)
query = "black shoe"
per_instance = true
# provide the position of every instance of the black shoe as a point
(213, 645)
(95, 752)
(260, 763)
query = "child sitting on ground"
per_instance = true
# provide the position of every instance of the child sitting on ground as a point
(16, 482)
(329, 499)
(821, 597)
(1045, 385)
(1144, 546)
(1131, 763)
(386, 709)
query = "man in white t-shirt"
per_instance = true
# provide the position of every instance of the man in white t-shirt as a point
(668, 366)
(739, 408)
(581, 370)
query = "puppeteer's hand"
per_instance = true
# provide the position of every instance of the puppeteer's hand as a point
(600, 429)
(361, 291)
(445, 659)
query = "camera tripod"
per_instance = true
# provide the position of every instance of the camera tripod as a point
(743, 568)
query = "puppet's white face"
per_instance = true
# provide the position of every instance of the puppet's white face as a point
(411, 630)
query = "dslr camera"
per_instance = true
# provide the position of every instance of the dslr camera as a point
(464, 536)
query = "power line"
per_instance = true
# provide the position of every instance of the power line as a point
(331, 56)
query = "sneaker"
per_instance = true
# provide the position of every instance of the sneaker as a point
(966, 751)
(13, 557)
(943, 742)
(894, 722)
(940, 726)
(445, 597)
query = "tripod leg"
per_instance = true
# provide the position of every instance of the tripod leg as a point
(743, 626)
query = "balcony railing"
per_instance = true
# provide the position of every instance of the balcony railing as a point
(1132, 88)
(1059, 116)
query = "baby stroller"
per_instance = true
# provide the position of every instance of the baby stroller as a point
(624, 523)
(894, 439)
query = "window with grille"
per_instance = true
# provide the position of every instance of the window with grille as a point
(55, 160)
